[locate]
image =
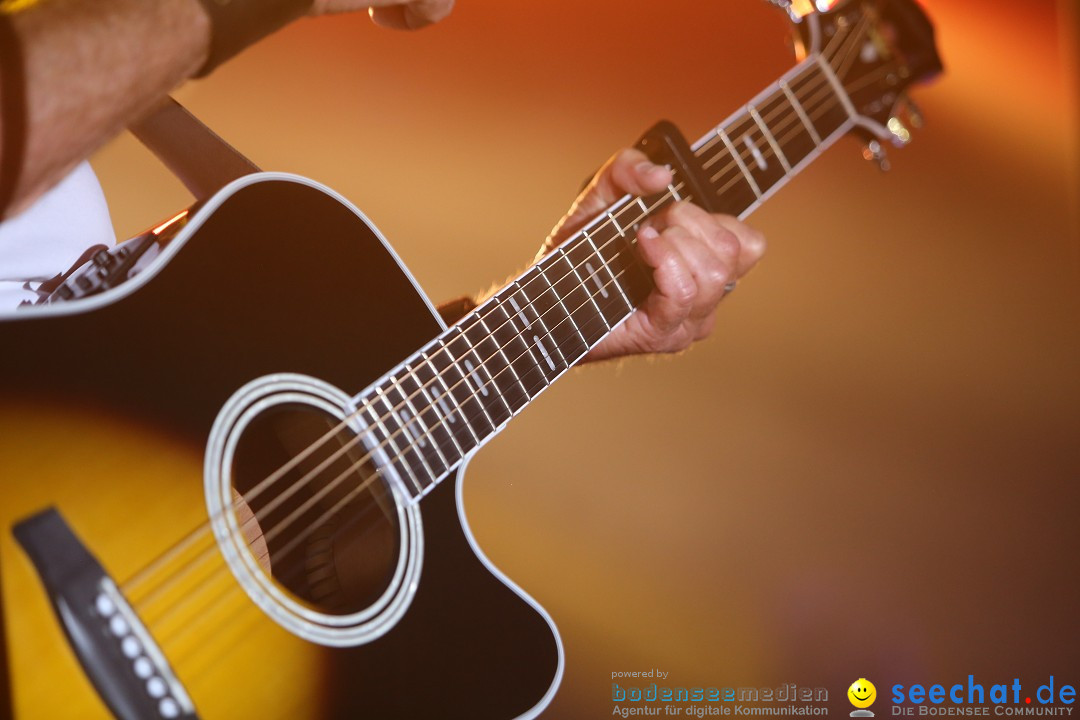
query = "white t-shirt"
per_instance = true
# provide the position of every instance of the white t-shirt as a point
(45, 239)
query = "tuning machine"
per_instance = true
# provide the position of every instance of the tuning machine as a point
(905, 115)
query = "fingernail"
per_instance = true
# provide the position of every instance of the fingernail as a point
(645, 167)
(647, 234)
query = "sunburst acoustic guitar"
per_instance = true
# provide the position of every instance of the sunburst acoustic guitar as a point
(221, 508)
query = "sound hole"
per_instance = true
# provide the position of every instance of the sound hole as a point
(327, 528)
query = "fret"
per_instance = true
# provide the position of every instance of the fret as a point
(536, 333)
(623, 217)
(786, 130)
(755, 153)
(375, 443)
(769, 137)
(837, 87)
(415, 384)
(801, 112)
(576, 297)
(413, 428)
(735, 186)
(471, 411)
(555, 263)
(477, 375)
(607, 278)
(397, 420)
(511, 334)
(620, 258)
(503, 376)
(563, 335)
(468, 383)
(380, 413)
(615, 224)
(440, 398)
(598, 280)
(816, 95)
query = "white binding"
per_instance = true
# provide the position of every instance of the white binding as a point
(356, 628)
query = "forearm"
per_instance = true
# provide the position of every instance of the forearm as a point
(79, 72)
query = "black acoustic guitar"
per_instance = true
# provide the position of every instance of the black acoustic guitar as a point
(236, 477)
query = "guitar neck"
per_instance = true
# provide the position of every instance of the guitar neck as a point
(459, 390)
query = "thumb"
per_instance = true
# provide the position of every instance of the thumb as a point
(629, 171)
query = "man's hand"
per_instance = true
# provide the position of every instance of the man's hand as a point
(693, 254)
(400, 14)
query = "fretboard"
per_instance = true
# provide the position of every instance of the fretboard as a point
(460, 389)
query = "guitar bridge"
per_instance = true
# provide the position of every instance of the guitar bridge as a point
(111, 643)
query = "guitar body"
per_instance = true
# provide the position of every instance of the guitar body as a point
(106, 407)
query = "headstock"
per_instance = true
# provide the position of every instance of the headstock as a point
(878, 49)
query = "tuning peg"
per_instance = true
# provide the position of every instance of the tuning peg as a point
(901, 136)
(905, 114)
(875, 152)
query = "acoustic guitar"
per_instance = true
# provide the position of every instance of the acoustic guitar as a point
(231, 463)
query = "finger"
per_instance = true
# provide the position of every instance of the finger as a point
(751, 242)
(711, 250)
(707, 228)
(411, 15)
(675, 288)
(627, 172)
(630, 171)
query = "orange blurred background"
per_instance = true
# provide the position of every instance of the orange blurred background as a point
(870, 470)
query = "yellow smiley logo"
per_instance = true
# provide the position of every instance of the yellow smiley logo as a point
(862, 693)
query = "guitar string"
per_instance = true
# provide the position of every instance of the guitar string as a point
(399, 457)
(812, 66)
(193, 537)
(332, 485)
(210, 637)
(784, 140)
(288, 549)
(845, 63)
(188, 600)
(824, 53)
(767, 151)
(424, 387)
(407, 397)
(284, 552)
(228, 589)
(847, 48)
(825, 91)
